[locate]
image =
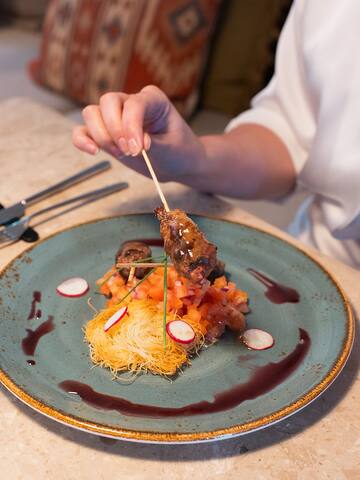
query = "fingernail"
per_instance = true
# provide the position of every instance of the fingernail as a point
(92, 149)
(147, 141)
(134, 147)
(124, 146)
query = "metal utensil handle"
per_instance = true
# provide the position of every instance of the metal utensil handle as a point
(68, 182)
(100, 192)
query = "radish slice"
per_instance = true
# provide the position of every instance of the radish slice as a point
(73, 287)
(114, 319)
(257, 339)
(180, 331)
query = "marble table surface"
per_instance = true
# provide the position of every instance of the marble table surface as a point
(320, 442)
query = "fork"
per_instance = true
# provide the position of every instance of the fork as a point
(13, 232)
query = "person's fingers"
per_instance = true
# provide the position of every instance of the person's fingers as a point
(122, 123)
(133, 123)
(111, 105)
(83, 141)
(97, 130)
(143, 111)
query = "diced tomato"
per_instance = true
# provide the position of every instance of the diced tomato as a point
(180, 289)
(204, 309)
(156, 292)
(220, 282)
(142, 292)
(194, 314)
(106, 276)
(104, 290)
(173, 302)
(171, 277)
(240, 297)
(210, 307)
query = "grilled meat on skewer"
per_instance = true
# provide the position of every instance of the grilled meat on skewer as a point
(131, 252)
(193, 256)
(219, 271)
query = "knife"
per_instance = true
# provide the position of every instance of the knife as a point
(18, 209)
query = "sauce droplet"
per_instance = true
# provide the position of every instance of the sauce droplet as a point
(29, 343)
(36, 299)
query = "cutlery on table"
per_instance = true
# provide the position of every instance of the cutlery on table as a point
(13, 232)
(18, 209)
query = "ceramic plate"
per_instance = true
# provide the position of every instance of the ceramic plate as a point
(313, 337)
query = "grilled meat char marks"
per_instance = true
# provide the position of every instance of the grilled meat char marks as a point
(131, 252)
(193, 256)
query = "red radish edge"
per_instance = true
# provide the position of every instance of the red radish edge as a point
(115, 318)
(73, 287)
(180, 336)
(257, 339)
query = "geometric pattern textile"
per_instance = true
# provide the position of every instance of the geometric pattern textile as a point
(90, 47)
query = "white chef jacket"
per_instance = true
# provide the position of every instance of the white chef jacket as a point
(313, 104)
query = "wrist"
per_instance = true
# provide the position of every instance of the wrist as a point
(198, 164)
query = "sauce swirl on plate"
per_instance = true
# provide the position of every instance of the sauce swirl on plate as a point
(262, 380)
(276, 292)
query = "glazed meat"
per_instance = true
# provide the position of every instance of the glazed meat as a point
(218, 271)
(131, 252)
(193, 256)
(226, 316)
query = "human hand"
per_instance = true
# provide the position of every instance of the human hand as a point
(123, 125)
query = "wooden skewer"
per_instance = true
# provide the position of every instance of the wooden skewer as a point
(131, 274)
(141, 265)
(153, 175)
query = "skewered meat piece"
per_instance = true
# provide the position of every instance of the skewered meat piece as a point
(220, 317)
(218, 271)
(193, 256)
(131, 252)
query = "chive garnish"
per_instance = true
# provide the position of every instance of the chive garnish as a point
(130, 264)
(165, 260)
(165, 299)
(135, 286)
(106, 279)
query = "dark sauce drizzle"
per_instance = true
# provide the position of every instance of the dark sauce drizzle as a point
(262, 380)
(29, 343)
(34, 312)
(276, 292)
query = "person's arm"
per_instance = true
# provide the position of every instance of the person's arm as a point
(249, 162)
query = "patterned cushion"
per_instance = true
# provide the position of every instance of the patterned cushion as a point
(90, 47)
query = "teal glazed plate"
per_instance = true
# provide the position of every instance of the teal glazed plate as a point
(227, 391)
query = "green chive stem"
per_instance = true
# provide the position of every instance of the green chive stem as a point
(136, 261)
(106, 279)
(135, 286)
(165, 300)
